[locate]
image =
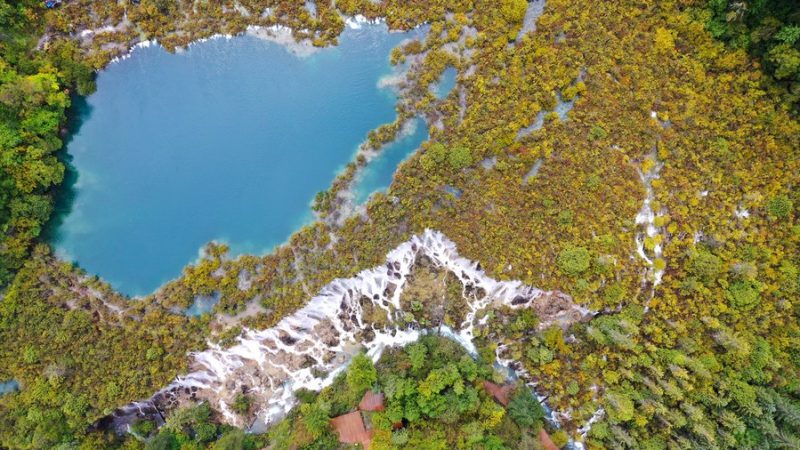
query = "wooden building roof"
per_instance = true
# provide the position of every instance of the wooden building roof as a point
(351, 429)
(372, 401)
(547, 443)
(500, 393)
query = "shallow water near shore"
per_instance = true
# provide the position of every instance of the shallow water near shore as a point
(9, 386)
(228, 140)
(378, 173)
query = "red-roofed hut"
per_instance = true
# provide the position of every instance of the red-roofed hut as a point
(500, 393)
(547, 443)
(372, 401)
(351, 429)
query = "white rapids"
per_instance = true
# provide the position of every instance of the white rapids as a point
(646, 221)
(307, 349)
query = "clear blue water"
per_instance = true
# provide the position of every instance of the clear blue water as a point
(229, 140)
(377, 175)
(202, 304)
(8, 386)
(446, 83)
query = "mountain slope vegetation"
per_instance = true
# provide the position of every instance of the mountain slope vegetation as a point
(641, 156)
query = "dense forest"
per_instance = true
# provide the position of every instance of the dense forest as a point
(769, 30)
(640, 156)
(432, 394)
(34, 96)
(435, 398)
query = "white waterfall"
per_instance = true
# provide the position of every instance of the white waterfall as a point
(307, 349)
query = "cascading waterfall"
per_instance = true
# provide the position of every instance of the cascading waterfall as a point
(646, 220)
(307, 349)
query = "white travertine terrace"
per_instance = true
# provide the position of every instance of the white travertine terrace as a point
(310, 347)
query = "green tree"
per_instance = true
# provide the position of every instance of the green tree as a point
(361, 375)
(619, 406)
(205, 432)
(744, 294)
(241, 404)
(434, 156)
(780, 206)
(459, 158)
(417, 353)
(574, 260)
(164, 440)
(234, 439)
(316, 418)
(143, 427)
(539, 355)
(188, 416)
(524, 409)
(706, 266)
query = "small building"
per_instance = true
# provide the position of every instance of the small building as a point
(547, 443)
(372, 401)
(351, 429)
(500, 393)
(51, 3)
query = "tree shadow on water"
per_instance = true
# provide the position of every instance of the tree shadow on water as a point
(64, 194)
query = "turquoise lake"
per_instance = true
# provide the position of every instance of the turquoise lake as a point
(7, 387)
(229, 140)
(379, 172)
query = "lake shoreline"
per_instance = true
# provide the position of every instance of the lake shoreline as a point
(356, 161)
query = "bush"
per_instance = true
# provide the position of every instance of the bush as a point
(574, 260)
(205, 432)
(361, 375)
(433, 156)
(524, 409)
(241, 404)
(164, 440)
(706, 266)
(560, 438)
(315, 418)
(780, 206)
(459, 158)
(143, 427)
(743, 294)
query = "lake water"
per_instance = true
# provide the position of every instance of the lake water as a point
(9, 386)
(446, 83)
(378, 174)
(229, 140)
(202, 304)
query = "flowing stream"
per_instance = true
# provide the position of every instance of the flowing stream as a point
(307, 349)
(646, 221)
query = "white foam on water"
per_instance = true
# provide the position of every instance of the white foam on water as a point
(283, 36)
(358, 21)
(646, 220)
